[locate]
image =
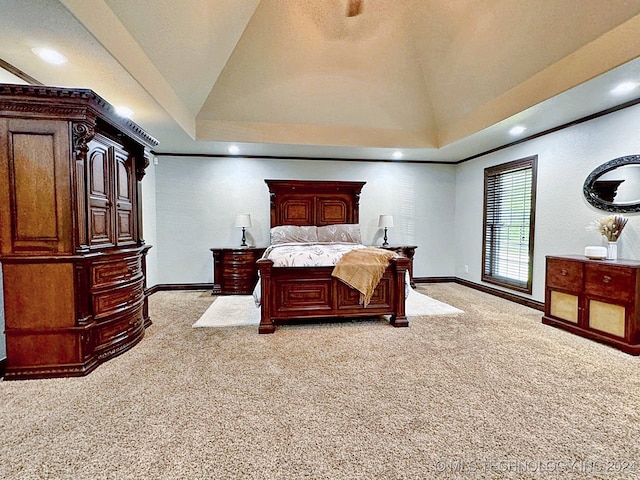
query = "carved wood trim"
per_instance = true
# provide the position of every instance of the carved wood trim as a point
(315, 192)
(141, 163)
(82, 134)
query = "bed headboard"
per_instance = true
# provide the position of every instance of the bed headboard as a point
(313, 202)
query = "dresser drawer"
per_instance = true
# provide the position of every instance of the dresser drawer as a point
(104, 273)
(120, 326)
(239, 259)
(610, 283)
(238, 272)
(117, 299)
(564, 274)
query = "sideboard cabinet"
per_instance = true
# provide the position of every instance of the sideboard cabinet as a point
(597, 299)
(71, 245)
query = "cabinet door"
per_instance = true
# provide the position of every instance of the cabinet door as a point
(124, 197)
(564, 306)
(35, 199)
(99, 186)
(607, 317)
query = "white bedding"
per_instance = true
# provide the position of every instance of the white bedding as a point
(308, 254)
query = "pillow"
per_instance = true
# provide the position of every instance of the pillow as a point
(347, 232)
(294, 233)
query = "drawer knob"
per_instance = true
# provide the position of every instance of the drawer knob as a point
(564, 272)
(606, 279)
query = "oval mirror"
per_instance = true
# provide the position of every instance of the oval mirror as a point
(615, 186)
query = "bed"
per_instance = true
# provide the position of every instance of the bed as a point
(289, 294)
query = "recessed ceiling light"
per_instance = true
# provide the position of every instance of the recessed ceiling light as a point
(517, 130)
(50, 56)
(125, 112)
(234, 150)
(624, 87)
(397, 154)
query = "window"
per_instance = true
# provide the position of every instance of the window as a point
(509, 212)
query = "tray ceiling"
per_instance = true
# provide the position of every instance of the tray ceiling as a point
(440, 80)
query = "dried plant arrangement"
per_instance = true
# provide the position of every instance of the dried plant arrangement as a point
(611, 226)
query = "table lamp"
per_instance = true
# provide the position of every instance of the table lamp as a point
(243, 220)
(385, 221)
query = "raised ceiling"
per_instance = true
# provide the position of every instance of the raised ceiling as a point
(440, 80)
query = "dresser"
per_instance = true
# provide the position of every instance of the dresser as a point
(234, 270)
(71, 244)
(597, 299)
(408, 251)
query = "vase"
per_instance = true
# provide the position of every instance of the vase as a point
(612, 251)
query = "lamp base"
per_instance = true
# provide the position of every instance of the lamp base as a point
(385, 243)
(244, 239)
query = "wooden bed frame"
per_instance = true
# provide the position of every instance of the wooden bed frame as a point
(301, 293)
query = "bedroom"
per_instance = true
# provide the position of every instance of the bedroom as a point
(190, 200)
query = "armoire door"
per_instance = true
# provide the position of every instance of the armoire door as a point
(99, 192)
(125, 220)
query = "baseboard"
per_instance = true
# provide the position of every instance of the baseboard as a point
(483, 288)
(528, 302)
(434, 279)
(178, 286)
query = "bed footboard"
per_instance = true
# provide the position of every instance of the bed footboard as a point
(299, 293)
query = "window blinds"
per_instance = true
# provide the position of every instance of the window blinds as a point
(508, 224)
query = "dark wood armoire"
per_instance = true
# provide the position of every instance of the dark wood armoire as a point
(71, 246)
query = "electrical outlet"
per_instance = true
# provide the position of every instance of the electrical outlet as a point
(466, 269)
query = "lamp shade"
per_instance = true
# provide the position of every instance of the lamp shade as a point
(385, 221)
(243, 220)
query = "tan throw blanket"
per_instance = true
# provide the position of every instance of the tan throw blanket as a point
(362, 269)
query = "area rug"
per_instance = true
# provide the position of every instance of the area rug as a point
(241, 310)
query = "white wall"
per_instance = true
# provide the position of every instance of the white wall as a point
(565, 159)
(197, 200)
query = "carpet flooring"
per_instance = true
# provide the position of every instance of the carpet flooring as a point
(241, 310)
(489, 393)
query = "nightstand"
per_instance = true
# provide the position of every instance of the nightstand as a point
(406, 250)
(234, 270)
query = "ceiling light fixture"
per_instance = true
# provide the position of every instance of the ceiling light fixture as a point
(517, 130)
(234, 150)
(125, 112)
(624, 87)
(397, 154)
(49, 56)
